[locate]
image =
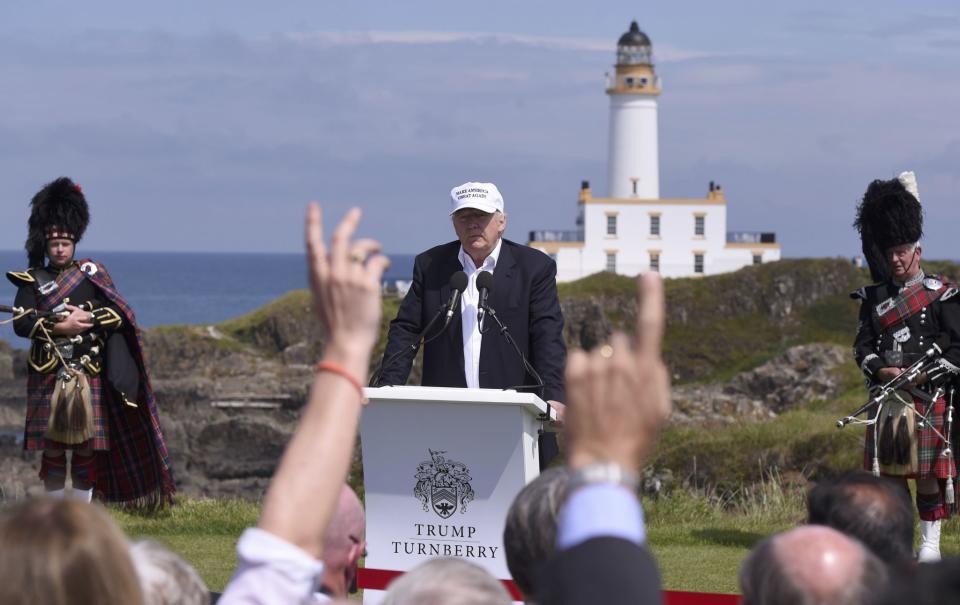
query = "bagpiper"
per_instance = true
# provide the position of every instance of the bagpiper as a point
(88, 391)
(908, 319)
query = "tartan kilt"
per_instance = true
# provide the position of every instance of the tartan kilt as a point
(931, 464)
(39, 391)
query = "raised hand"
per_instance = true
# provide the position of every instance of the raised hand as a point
(345, 282)
(618, 395)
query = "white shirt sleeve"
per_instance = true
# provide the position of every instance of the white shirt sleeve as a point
(271, 570)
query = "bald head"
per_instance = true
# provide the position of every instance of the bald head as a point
(344, 543)
(811, 564)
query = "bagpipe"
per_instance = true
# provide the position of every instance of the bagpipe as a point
(19, 312)
(939, 377)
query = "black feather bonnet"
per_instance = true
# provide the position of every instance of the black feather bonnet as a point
(59, 210)
(889, 215)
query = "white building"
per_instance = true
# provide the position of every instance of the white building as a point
(634, 229)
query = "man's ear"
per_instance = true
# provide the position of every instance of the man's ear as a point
(356, 552)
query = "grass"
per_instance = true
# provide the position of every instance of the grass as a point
(204, 532)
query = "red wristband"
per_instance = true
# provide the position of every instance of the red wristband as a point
(329, 366)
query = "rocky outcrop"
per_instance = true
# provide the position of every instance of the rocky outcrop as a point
(801, 374)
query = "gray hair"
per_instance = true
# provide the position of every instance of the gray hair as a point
(166, 578)
(530, 534)
(446, 582)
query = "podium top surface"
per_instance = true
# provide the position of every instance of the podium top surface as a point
(529, 401)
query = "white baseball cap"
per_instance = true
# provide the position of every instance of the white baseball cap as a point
(482, 196)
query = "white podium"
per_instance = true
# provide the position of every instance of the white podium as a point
(441, 467)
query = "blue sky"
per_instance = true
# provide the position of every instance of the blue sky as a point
(207, 125)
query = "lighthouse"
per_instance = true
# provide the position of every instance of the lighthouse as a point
(633, 229)
(633, 165)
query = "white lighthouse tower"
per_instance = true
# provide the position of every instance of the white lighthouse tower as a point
(633, 162)
(633, 229)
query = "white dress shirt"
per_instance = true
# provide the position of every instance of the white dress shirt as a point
(468, 312)
(271, 571)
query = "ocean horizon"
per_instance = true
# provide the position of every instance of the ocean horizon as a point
(193, 287)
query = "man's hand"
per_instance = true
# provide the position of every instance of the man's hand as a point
(618, 394)
(345, 282)
(559, 409)
(885, 375)
(77, 322)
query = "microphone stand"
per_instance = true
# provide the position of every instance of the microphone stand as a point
(546, 443)
(411, 348)
(506, 334)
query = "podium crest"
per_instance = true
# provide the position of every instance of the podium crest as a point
(443, 485)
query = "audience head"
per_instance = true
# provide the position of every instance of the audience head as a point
(874, 510)
(811, 565)
(344, 545)
(530, 534)
(927, 584)
(446, 582)
(166, 578)
(64, 551)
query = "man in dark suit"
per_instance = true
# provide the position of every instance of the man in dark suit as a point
(524, 297)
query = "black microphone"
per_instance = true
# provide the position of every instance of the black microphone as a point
(484, 287)
(458, 283)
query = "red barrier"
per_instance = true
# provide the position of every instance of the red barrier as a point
(673, 597)
(377, 579)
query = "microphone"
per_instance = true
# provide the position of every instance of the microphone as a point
(458, 283)
(484, 287)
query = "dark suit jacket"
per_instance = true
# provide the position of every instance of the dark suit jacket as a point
(601, 570)
(524, 295)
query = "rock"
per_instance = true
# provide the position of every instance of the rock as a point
(300, 353)
(6, 361)
(240, 448)
(803, 373)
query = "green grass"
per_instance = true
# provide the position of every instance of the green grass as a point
(204, 532)
(296, 303)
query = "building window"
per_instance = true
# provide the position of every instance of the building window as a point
(757, 259)
(655, 261)
(612, 262)
(633, 183)
(698, 225)
(655, 225)
(611, 224)
(698, 263)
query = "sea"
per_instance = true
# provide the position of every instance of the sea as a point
(193, 288)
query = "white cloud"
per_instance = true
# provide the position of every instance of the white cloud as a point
(662, 52)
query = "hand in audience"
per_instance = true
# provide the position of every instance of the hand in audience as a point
(345, 282)
(618, 395)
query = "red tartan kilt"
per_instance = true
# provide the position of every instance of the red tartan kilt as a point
(930, 461)
(39, 390)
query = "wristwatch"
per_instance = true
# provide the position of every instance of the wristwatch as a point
(604, 472)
